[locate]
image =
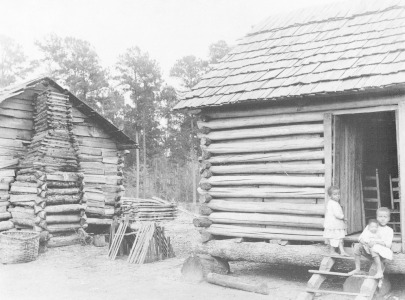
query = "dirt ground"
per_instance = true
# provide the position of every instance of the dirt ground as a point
(84, 272)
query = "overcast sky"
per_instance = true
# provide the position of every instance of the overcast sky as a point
(167, 29)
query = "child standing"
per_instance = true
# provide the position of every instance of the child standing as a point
(335, 226)
(377, 248)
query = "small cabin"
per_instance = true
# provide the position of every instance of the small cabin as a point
(304, 101)
(60, 161)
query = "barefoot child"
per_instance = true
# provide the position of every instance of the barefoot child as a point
(335, 227)
(378, 247)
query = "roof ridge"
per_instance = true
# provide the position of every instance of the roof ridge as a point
(320, 13)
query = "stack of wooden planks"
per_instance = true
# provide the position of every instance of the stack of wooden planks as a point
(154, 209)
(47, 192)
(150, 244)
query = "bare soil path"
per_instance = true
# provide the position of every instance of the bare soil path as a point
(84, 272)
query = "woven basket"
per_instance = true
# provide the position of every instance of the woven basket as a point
(18, 246)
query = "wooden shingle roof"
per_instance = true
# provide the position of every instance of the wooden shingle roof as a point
(342, 47)
(123, 139)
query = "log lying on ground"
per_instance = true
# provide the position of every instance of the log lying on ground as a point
(237, 283)
(288, 192)
(61, 241)
(267, 207)
(266, 219)
(246, 147)
(300, 255)
(270, 232)
(261, 120)
(265, 179)
(263, 132)
(317, 168)
(196, 267)
(6, 225)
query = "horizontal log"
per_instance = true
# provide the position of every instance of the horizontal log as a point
(269, 168)
(5, 216)
(11, 122)
(268, 232)
(266, 219)
(63, 176)
(84, 131)
(299, 255)
(264, 146)
(67, 227)
(331, 106)
(97, 221)
(64, 208)
(267, 207)
(7, 173)
(24, 222)
(63, 199)
(268, 157)
(52, 219)
(265, 179)
(97, 142)
(9, 163)
(6, 225)
(263, 132)
(20, 189)
(95, 178)
(67, 191)
(287, 192)
(261, 120)
(238, 283)
(25, 198)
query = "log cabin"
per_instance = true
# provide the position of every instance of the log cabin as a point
(60, 161)
(306, 100)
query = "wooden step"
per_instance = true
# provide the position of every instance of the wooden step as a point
(339, 274)
(370, 200)
(369, 188)
(335, 292)
(338, 256)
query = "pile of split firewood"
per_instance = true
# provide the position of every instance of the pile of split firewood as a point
(154, 209)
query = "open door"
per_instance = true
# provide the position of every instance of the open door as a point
(347, 169)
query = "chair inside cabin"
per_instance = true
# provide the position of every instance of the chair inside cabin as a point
(395, 200)
(371, 195)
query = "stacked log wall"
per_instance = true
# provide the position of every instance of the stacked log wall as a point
(102, 164)
(46, 195)
(16, 131)
(264, 169)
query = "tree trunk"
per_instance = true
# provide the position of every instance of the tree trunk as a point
(144, 164)
(300, 255)
(196, 267)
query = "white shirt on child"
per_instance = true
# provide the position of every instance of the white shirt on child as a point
(334, 216)
(384, 233)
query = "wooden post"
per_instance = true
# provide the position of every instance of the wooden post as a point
(400, 121)
(144, 164)
(327, 124)
(137, 163)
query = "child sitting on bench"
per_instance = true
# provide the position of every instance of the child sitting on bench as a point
(375, 245)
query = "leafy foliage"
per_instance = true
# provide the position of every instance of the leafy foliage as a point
(189, 69)
(13, 62)
(217, 51)
(76, 63)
